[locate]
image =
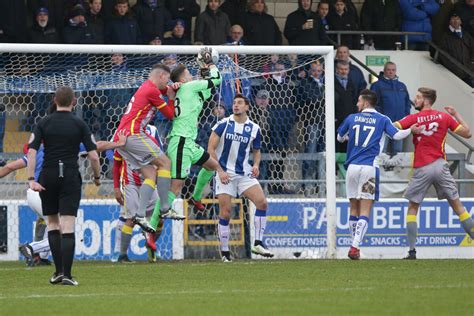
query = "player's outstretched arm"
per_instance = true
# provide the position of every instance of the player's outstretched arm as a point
(105, 145)
(12, 166)
(463, 130)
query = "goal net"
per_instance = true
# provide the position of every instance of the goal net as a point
(291, 99)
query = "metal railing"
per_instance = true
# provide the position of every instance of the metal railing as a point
(446, 55)
(404, 34)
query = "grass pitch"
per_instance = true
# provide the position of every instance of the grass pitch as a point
(263, 287)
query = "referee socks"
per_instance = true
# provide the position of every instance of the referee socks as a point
(68, 246)
(54, 238)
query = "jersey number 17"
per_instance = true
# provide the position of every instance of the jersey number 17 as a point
(371, 130)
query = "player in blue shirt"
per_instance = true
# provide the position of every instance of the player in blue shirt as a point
(230, 143)
(365, 132)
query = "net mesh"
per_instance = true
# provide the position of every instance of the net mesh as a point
(287, 101)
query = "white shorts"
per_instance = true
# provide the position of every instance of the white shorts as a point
(236, 186)
(362, 182)
(34, 202)
(131, 195)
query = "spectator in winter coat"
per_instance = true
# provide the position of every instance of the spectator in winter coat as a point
(56, 9)
(77, 31)
(235, 10)
(355, 74)
(440, 20)
(465, 10)
(303, 26)
(416, 16)
(343, 20)
(381, 15)
(95, 20)
(212, 26)
(345, 98)
(42, 31)
(122, 28)
(184, 10)
(393, 101)
(152, 18)
(460, 45)
(323, 10)
(260, 28)
(176, 36)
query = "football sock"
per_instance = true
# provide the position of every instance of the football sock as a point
(40, 230)
(146, 192)
(467, 223)
(40, 246)
(68, 245)
(203, 179)
(361, 229)
(118, 234)
(352, 226)
(163, 182)
(260, 222)
(155, 217)
(54, 238)
(412, 231)
(126, 239)
(224, 233)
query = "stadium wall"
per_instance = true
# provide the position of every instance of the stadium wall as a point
(299, 233)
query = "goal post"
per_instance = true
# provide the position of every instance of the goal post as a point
(29, 74)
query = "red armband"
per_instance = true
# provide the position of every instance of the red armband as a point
(168, 110)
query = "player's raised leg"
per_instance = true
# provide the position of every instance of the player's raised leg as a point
(203, 179)
(256, 195)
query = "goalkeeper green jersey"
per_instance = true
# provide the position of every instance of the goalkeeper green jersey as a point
(188, 104)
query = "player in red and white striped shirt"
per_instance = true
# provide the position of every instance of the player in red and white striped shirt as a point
(430, 165)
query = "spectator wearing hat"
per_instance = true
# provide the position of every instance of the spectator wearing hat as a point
(156, 41)
(56, 14)
(95, 20)
(152, 18)
(42, 31)
(122, 27)
(176, 35)
(342, 19)
(460, 45)
(184, 10)
(303, 27)
(77, 31)
(212, 26)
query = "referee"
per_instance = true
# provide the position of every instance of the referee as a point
(60, 182)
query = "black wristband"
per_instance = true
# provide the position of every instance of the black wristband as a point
(97, 178)
(31, 179)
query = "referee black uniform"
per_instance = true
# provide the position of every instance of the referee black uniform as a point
(61, 134)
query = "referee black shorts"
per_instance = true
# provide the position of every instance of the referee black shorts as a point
(62, 195)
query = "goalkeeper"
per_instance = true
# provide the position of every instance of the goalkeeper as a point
(182, 148)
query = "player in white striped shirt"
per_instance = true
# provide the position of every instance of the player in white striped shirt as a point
(230, 144)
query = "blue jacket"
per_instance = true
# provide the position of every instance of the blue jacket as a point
(416, 16)
(393, 98)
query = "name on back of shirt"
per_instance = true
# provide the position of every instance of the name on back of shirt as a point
(364, 119)
(429, 118)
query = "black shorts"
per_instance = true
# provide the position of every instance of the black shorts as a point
(62, 195)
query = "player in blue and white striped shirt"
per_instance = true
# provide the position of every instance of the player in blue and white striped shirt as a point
(230, 143)
(365, 131)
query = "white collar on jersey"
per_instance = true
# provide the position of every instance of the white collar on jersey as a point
(232, 118)
(369, 110)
